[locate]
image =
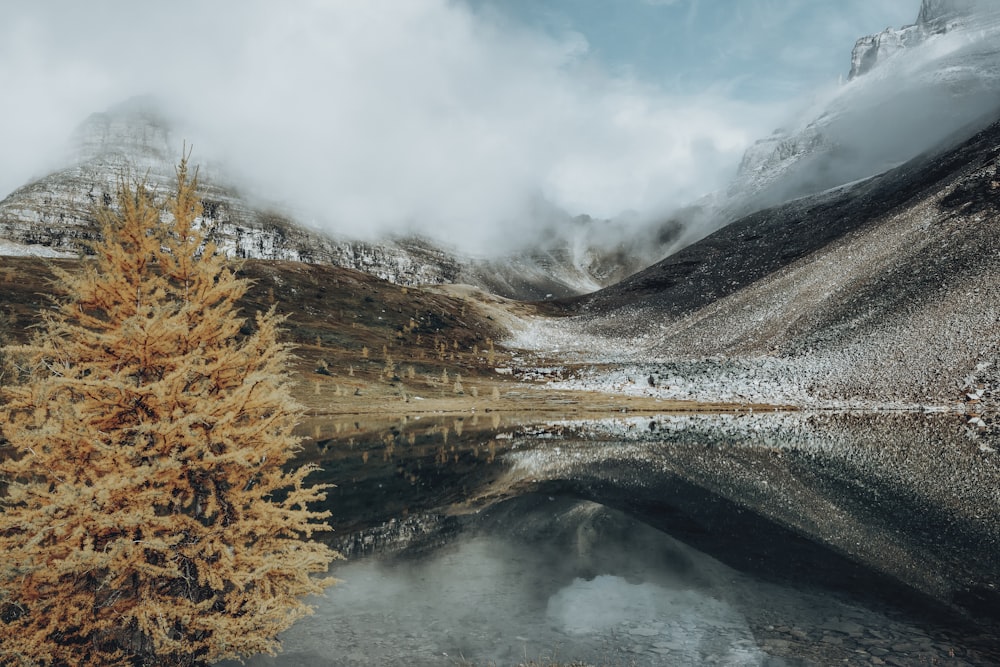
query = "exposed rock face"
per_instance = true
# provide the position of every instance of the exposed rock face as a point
(871, 50)
(884, 292)
(54, 215)
(133, 130)
(891, 109)
(935, 17)
(937, 13)
(772, 158)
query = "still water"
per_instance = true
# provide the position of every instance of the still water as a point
(669, 540)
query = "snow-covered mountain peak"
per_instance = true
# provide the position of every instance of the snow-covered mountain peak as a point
(935, 17)
(135, 130)
(937, 14)
(910, 90)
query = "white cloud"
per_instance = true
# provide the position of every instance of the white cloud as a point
(376, 115)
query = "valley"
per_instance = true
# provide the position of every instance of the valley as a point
(369, 348)
(759, 428)
(434, 408)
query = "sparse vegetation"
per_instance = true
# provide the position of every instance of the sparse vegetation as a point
(148, 518)
(5, 337)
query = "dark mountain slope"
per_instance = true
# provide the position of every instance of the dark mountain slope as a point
(767, 241)
(883, 293)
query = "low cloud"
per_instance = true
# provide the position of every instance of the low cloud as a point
(445, 117)
(928, 96)
(376, 116)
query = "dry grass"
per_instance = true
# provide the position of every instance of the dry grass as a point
(369, 347)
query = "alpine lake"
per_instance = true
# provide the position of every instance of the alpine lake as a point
(750, 538)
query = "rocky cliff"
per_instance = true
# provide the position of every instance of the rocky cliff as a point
(53, 216)
(871, 50)
(938, 14)
(891, 108)
(936, 17)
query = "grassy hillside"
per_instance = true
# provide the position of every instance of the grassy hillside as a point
(369, 347)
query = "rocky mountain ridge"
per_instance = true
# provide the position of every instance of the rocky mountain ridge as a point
(879, 294)
(936, 17)
(890, 109)
(53, 216)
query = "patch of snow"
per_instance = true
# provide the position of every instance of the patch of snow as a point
(12, 249)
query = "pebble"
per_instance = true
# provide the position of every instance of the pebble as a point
(849, 628)
(644, 632)
(777, 645)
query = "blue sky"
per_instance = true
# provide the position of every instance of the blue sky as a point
(449, 117)
(751, 48)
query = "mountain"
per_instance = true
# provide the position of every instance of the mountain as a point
(890, 110)
(908, 90)
(866, 270)
(936, 17)
(53, 216)
(884, 292)
(941, 15)
(924, 86)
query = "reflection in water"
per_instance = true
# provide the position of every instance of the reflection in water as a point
(567, 579)
(680, 624)
(390, 469)
(543, 578)
(913, 495)
(884, 498)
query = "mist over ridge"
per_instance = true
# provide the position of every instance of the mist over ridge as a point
(455, 123)
(379, 117)
(548, 309)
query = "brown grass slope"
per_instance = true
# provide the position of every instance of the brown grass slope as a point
(365, 346)
(334, 315)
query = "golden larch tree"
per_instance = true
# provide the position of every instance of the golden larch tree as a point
(148, 516)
